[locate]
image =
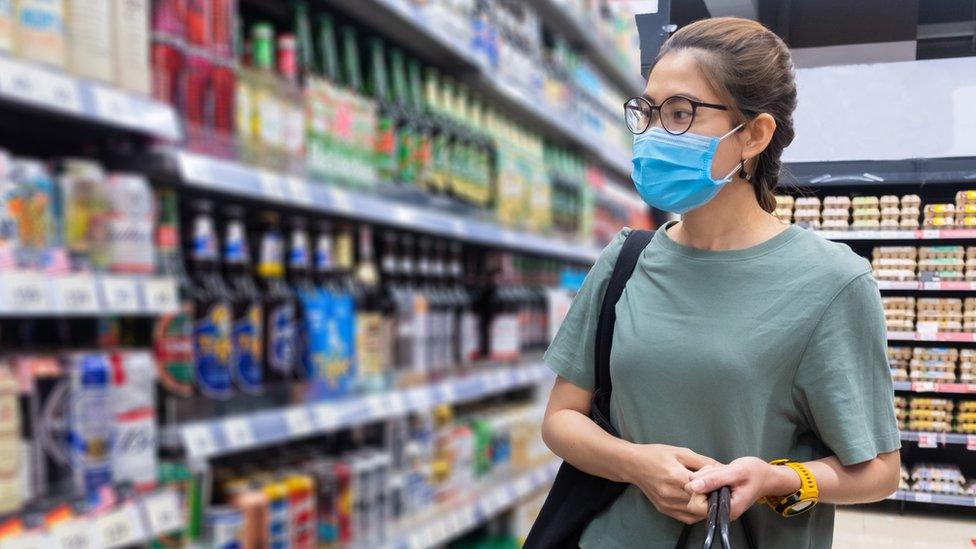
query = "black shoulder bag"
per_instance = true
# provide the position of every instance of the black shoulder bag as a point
(576, 497)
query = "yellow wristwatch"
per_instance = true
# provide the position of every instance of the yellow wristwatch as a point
(800, 501)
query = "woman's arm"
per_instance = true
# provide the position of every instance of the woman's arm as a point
(752, 478)
(660, 471)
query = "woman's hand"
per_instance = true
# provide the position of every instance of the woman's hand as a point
(750, 478)
(662, 472)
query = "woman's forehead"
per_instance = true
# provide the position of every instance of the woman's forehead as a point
(678, 73)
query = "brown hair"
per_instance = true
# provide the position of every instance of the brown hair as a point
(752, 70)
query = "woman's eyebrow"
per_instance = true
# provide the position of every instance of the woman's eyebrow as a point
(686, 95)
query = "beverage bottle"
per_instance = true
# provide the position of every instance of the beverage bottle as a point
(212, 315)
(85, 206)
(443, 305)
(374, 319)
(310, 314)
(130, 218)
(33, 230)
(466, 345)
(430, 300)
(247, 333)
(398, 277)
(336, 377)
(280, 352)
(379, 90)
(173, 332)
(404, 120)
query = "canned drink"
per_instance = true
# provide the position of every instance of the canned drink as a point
(326, 500)
(344, 501)
(278, 535)
(134, 406)
(90, 422)
(301, 511)
(223, 527)
(10, 443)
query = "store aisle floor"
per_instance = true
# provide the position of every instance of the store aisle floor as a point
(861, 528)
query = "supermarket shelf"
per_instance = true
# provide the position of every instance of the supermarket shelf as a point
(37, 294)
(942, 499)
(242, 180)
(227, 435)
(933, 440)
(947, 337)
(579, 34)
(926, 234)
(434, 42)
(32, 85)
(946, 286)
(134, 523)
(485, 504)
(932, 387)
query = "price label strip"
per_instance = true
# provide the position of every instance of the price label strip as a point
(74, 534)
(299, 422)
(37, 540)
(163, 512)
(121, 528)
(27, 293)
(238, 433)
(121, 294)
(198, 440)
(76, 294)
(39, 86)
(161, 295)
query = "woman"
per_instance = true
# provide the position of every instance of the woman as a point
(738, 340)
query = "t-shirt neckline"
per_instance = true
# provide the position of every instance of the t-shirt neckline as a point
(662, 239)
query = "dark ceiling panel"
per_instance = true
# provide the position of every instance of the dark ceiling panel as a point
(815, 23)
(688, 11)
(946, 11)
(940, 48)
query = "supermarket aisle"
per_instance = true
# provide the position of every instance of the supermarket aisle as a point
(858, 527)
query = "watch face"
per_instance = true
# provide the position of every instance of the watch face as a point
(801, 506)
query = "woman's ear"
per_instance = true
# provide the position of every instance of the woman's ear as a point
(757, 134)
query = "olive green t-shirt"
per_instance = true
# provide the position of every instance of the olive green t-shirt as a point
(774, 351)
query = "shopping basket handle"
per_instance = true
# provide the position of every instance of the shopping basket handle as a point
(719, 504)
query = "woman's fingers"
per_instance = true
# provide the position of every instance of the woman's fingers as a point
(703, 482)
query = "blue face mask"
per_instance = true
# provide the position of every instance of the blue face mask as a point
(674, 172)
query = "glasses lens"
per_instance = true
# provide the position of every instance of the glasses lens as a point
(677, 114)
(637, 113)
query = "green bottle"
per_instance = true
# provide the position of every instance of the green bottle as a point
(379, 89)
(405, 125)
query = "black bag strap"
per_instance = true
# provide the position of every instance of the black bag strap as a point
(630, 252)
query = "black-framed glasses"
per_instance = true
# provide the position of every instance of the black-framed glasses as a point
(676, 114)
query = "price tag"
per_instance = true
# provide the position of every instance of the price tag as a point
(164, 512)
(193, 168)
(238, 433)
(198, 440)
(340, 199)
(971, 443)
(40, 86)
(403, 215)
(396, 404)
(927, 327)
(272, 186)
(161, 295)
(928, 440)
(923, 386)
(73, 534)
(459, 229)
(121, 528)
(929, 234)
(25, 292)
(121, 294)
(298, 190)
(922, 497)
(326, 417)
(76, 294)
(299, 422)
(29, 541)
(116, 106)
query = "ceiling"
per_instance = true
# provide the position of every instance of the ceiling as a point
(825, 32)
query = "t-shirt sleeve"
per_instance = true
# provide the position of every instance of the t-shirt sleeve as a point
(843, 383)
(570, 355)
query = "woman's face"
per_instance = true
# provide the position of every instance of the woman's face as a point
(677, 73)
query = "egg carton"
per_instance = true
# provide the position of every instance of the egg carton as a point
(939, 209)
(934, 376)
(935, 353)
(939, 304)
(889, 201)
(931, 404)
(865, 201)
(908, 223)
(835, 225)
(866, 224)
(965, 197)
(807, 202)
(932, 426)
(932, 365)
(899, 374)
(843, 202)
(897, 352)
(911, 201)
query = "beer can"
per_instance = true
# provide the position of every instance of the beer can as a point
(134, 450)
(301, 510)
(326, 500)
(223, 527)
(90, 421)
(278, 535)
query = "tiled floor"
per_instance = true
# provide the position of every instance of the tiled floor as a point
(864, 528)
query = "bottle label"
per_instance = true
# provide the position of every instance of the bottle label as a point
(281, 338)
(247, 334)
(404, 342)
(372, 348)
(470, 341)
(504, 334)
(421, 334)
(314, 329)
(173, 348)
(341, 336)
(214, 351)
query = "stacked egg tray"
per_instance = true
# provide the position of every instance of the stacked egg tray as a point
(935, 415)
(938, 478)
(901, 412)
(836, 213)
(930, 314)
(948, 215)
(895, 263)
(899, 313)
(784, 208)
(966, 417)
(899, 361)
(806, 212)
(942, 263)
(936, 364)
(967, 366)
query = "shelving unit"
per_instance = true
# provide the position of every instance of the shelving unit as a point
(236, 179)
(932, 387)
(54, 92)
(221, 436)
(940, 499)
(949, 234)
(454, 518)
(933, 440)
(36, 294)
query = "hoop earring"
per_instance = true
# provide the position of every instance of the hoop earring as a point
(742, 170)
